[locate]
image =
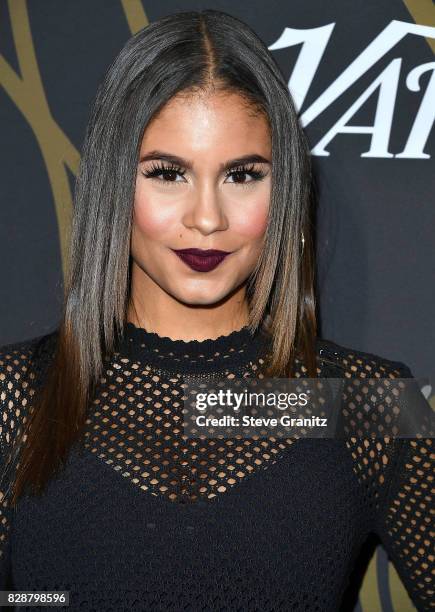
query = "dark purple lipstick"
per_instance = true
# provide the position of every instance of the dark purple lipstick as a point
(201, 260)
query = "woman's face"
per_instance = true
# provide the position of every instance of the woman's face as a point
(205, 199)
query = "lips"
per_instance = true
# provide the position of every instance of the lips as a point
(201, 260)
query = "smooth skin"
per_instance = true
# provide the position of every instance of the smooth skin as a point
(195, 203)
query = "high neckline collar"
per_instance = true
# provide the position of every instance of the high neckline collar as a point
(228, 351)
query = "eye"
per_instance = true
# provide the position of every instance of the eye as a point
(163, 173)
(168, 174)
(239, 174)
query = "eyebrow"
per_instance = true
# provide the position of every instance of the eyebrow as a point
(251, 158)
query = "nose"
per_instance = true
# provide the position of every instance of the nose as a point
(205, 212)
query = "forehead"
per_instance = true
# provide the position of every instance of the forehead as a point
(200, 122)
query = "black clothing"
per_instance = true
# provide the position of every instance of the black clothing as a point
(141, 519)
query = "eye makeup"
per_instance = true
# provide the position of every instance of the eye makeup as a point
(161, 171)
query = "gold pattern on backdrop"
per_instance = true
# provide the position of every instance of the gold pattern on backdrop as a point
(27, 91)
(422, 12)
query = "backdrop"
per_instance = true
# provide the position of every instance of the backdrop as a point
(362, 75)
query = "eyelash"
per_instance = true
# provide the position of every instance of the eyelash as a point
(157, 170)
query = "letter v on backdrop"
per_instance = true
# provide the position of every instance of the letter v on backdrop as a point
(313, 43)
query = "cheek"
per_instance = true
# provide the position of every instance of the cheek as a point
(152, 216)
(251, 221)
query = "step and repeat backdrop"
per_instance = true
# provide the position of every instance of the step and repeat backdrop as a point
(362, 75)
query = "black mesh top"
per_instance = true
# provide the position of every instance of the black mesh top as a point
(144, 518)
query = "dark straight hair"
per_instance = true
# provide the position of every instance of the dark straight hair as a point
(188, 53)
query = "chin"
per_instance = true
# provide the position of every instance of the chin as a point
(197, 296)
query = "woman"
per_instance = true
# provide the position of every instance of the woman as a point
(192, 259)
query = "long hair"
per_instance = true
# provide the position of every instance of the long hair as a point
(187, 52)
